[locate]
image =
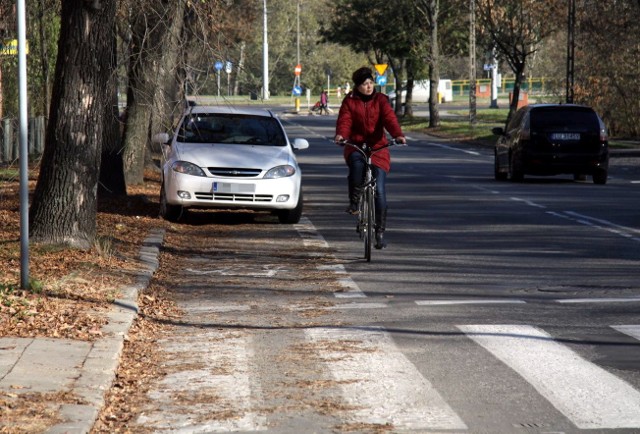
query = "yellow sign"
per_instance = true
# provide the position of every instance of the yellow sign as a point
(381, 68)
(9, 47)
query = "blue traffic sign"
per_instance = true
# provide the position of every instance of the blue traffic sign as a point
(381, 80)
(297, 90)
(218, 65)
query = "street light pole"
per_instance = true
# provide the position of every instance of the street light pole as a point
(571, 20)
(265, 57)
(24, 146)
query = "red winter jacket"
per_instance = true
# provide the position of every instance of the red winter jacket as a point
(362, 121)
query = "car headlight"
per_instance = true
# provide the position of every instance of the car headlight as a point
(280, 172)
(187, 168)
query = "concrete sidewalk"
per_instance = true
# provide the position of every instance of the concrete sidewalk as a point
(85, 369)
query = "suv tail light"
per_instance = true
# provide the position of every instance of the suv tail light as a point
(603, 132)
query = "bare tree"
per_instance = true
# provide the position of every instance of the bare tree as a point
(156, 29)
(517, 27)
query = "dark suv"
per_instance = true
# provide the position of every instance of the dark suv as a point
(552, 139)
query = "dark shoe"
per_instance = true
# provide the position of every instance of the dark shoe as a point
(352, 209)
(380, 242)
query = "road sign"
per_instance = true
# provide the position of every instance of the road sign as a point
(298, 69)
(9, 47)
(227, 67)
(218, 65)
(297, 90)
(381, 80)
(381, 68)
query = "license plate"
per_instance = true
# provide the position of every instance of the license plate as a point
(565, 136)
(227, 187)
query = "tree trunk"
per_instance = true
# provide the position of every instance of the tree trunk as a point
(111, 167)
(64, 204)
(152, 35)
(434, 69)
(513, 106)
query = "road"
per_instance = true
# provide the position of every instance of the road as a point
(498, 307)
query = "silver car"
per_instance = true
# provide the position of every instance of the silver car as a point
(225, 157)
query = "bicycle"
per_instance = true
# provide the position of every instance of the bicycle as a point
(366, 202)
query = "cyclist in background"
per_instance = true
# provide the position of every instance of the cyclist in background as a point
(364, 116)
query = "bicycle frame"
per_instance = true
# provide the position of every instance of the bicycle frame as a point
(366, 202)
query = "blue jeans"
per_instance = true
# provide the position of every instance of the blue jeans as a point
(356, 163)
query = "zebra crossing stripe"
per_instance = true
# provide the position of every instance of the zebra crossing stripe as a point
(380, 383)
(591, 397)
(220, 372)
(630, 330)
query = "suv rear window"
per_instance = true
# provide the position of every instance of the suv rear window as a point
(563, 118)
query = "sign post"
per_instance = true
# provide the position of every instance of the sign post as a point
(381, 79)
(228, 66)
(218, 66)
(297, 90)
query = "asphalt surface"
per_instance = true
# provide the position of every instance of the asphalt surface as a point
(88, 369)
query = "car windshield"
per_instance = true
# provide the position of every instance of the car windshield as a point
(231, 128)
(555, 119)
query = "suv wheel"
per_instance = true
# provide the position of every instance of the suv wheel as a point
(515, 169)
(498, 174)
(600, 177)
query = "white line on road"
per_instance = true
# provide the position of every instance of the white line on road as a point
(213, 365)
(591, 397)
(311, 237)
(598, 300)
(528, 202)
(453, 302)
(630, 330)
(380, 383)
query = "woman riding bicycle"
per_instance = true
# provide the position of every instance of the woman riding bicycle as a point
(363, 118)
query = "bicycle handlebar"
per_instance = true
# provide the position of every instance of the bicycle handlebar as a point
(365, 149)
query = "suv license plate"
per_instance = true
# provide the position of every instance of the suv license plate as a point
(565, 136)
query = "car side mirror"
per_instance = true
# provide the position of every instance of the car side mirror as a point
(299, 144)
(498, 131)
(162, 138)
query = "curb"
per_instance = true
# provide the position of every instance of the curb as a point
(99, 369)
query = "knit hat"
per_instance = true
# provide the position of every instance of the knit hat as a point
(361, 75)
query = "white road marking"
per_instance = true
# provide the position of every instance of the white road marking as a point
(451, 148)
(310, 235)
(360, 306)
(630, 330)
(312, 238)
(591, 397)
(623, 231)
(598, 300)
(381, 384)
(528, 202)
(453, 302)
(219, 368)
(267, 270)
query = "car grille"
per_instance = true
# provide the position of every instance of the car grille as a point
(234, 172)
(234, 197)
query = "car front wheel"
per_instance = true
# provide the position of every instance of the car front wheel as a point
(167, 211)
(291, 216)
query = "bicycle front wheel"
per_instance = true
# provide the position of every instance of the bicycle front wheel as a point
(369, 219)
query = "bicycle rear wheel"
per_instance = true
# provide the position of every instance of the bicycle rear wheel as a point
(368, 219)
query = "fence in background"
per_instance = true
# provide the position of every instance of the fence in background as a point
(530, 85)
(10, 138)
